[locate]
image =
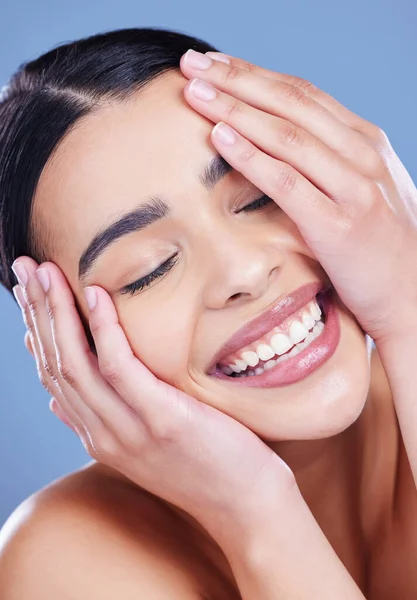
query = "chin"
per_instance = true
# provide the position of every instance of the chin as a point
(323, 404)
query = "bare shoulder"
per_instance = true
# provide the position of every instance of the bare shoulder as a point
(93, 535)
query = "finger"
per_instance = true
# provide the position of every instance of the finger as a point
(340, 111)
(329, 171)
(290, 102)
(38, 325)
(78, 366)
(54, 404)
(20, 299)
(311, 210)
(156, 402)
(60, 413)
(28, 344)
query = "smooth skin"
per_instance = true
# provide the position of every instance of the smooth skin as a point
(169, 440)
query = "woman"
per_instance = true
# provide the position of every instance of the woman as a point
(178, 262)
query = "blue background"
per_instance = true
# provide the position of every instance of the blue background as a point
(362, 53)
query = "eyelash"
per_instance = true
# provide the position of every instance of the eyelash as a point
(144, 282)
(256, 204)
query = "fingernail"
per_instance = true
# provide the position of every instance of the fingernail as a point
(44, 278)
(218, 56)
(196, 60)
(202, 90)
(224, 133)
(91, 297)
(21, 274)
(20, 299)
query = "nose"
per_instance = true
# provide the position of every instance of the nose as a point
(241, 271)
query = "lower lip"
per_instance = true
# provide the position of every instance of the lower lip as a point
(308, 360)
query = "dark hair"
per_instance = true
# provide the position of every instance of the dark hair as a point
(44, 100)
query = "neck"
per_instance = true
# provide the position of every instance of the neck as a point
(333, 475)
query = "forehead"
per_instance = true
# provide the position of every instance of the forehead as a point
(151, 144)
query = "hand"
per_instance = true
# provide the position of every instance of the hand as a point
(333, 173)
(165, 441)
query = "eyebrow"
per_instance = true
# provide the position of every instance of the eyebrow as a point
(144, 215)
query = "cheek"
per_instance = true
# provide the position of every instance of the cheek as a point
(161, 340)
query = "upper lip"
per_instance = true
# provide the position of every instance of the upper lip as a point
(272, 317)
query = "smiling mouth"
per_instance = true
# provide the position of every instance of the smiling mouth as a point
(280, 344)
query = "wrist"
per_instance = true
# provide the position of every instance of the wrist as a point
(403, 329)
(245, 529)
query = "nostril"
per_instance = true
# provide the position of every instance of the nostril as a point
(237, 296)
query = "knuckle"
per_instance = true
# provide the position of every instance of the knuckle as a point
(48, 362)
(374, 166)
(291, 135)
(246, 66)
(371, 193)
(296, 95)
(247, 154)
(106, 447)
(285, 179)
(376, 134)
(232, 73)
(27, 318)
(307, 86)
(51, 309)
(233, 107)
(67, 371)
(111, 371)
(34, 306)
(165, 431)
(289, 482)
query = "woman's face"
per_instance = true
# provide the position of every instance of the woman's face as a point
(229, 266)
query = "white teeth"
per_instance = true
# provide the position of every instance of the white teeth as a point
(282, 358)
(315, 310)
(250, 357)
(280, 343)
(294, 351)
(298, 332)
(298, 336)
(241, 364)
(264, 352)
(270, 364)
(306, 342)
(308, 320)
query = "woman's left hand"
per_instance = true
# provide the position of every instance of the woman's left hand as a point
(333, 173)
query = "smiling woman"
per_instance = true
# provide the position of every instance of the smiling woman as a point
(242, 427)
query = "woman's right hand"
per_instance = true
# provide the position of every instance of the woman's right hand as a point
(169, 443)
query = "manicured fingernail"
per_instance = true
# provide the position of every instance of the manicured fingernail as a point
(44, 279)
(20, 271)
(20, 299)
(91, 297)
(196, 60)
(224, 133)
(218, 56)
(202, 90)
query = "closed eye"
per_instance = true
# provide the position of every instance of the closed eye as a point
(256, 204)
(145, 282)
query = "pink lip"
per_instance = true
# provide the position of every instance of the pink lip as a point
(298, 367)
(265, 322)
